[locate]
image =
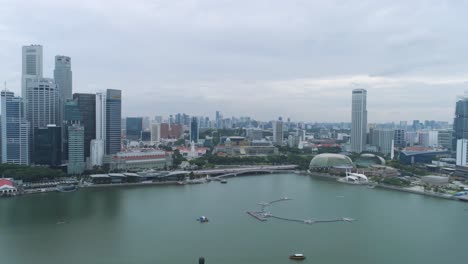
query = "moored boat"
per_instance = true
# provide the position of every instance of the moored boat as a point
(297, 257)
(66, 188)
(223, 181)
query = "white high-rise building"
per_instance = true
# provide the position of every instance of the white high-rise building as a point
(43, 103)
(462, 152)
(14, 130)
(155, 133)
(278, 132)
(63, 77)
(32, 66)
(358, 120)
(97, 148)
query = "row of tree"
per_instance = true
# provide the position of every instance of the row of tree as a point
(29, 173)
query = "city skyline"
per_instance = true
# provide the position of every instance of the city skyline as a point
(297, 65)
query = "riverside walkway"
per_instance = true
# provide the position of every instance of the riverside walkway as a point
(263, 215)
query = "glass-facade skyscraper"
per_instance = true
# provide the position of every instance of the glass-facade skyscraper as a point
(358, 120)
(14, 130)
(113, 121)
(134, 127)
(194, 130)
(460, 123)
(87, 106)
(63, 77)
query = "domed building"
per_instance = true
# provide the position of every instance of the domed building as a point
(367, 160)
(327, 161)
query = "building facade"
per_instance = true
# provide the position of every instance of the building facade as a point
(358, 120)
(63, 76)
(87, 108)
(460, 123)
(155, 133)
(278, 132)
(32, 66)
(76, 164)
(194, 129)
(113, 121)
(48, 146)
(134, 127)
(462, 152)
(14, 130)
(445, 139)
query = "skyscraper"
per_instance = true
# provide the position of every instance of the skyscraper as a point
(32, 66)
(462, 152)
(113, 121)
(63, 77)
(87, 107)
(460, 123)
(43, 103)
(14, 130)
(48, 145)
(278, 132)
(76, 163)
(97, 147)
(134, 127)
(194, 130)
(358, 120)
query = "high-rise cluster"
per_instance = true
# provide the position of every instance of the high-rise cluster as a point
(49, 125)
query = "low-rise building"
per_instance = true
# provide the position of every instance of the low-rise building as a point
(140, 160)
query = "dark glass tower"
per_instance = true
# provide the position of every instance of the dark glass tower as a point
(194, 131)
(134, 126)
(460, 123)
(113, 121)
(48, 146)
(87, 107)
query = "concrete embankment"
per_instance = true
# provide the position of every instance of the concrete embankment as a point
(437, 195)
(130, 184)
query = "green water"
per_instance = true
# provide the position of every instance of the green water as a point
(157, 225)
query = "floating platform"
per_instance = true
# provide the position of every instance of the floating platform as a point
(260, 216)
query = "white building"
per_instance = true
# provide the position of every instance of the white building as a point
(155, 133)
(63, 77)
(428, 138)
(462, 152)
(358, 120)
(43, 106)
(97, 152)
(97, 148)
(32, 65)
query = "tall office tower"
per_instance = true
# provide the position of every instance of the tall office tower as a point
(14, 130)
(155, 132)
(72, 116)
(134, 127)
(63, 76)
(48, 145)
(42, 103)
(460, 123)
(76, 164)
(218, 119)
(399, 138)
(87, 107)
(462, 152)
(113, 121)
(32, 66)
(358, 120)
(278, 132)
(97, 147)
(194, 130)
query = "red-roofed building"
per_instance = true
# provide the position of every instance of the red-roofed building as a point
(7, 188)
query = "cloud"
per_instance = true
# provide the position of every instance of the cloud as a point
(259, 58)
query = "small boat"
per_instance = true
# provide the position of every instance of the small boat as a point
(297, 257)
(370, 186)
(223, 181)
(203, 219)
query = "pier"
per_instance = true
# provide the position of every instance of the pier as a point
(263, 215)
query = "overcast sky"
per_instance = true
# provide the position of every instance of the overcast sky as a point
(261, 58)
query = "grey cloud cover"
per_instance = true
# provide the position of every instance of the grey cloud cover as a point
(259, 58)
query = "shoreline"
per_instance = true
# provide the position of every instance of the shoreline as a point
(390, 187)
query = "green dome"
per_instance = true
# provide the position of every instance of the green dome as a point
(328, 160)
